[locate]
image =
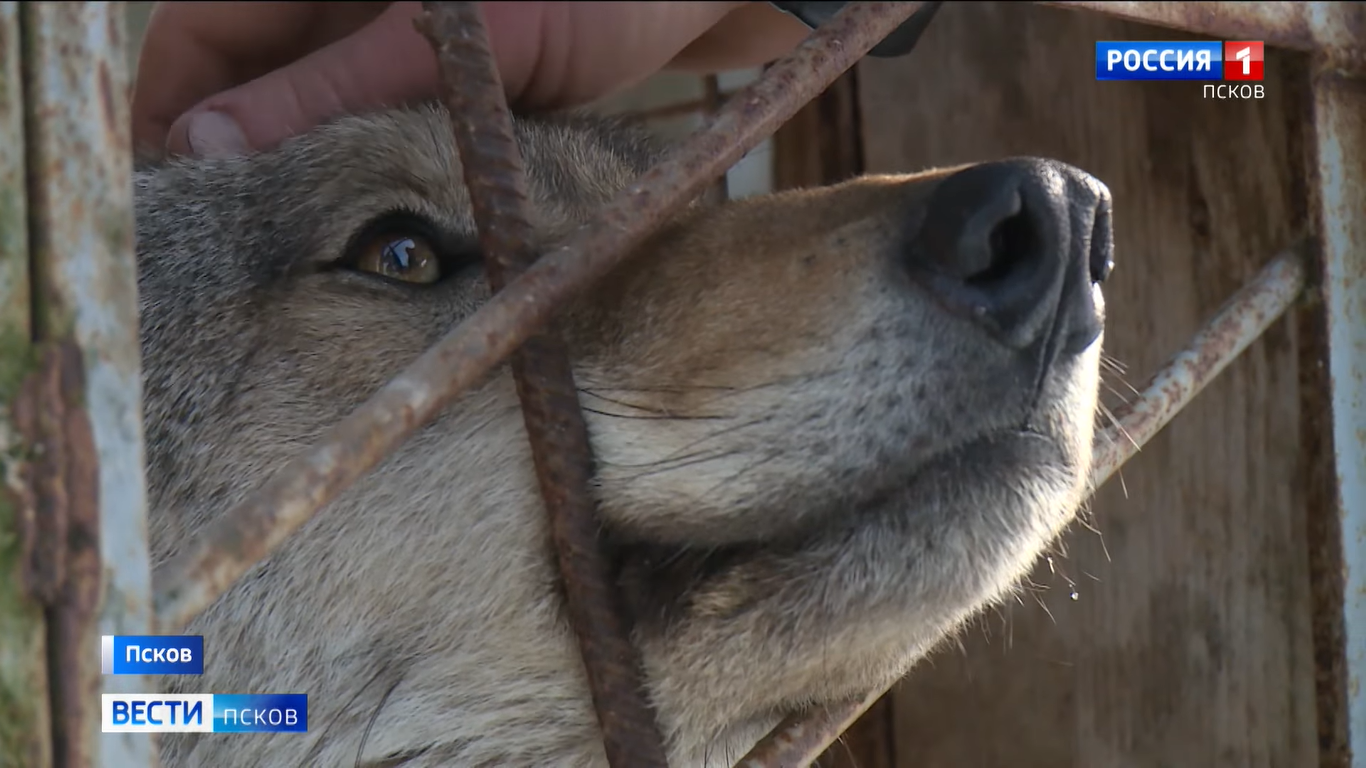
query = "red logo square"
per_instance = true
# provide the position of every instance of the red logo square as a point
(1243, 60)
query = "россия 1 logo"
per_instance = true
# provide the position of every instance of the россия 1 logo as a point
(1238, 62)
(1122, 60)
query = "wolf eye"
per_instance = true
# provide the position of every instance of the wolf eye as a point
(398, 255)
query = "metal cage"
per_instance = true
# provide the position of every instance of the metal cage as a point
(72, 520)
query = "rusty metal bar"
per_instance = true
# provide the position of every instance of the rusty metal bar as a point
(719, 191)
(496, 180)
(84, 404)
(257, 526)
(1338, 170)
(1241, 321)
(25, 707)
(801, 738)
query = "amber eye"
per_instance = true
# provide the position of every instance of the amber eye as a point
(398, 255)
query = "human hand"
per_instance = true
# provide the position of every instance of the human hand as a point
(225, 78)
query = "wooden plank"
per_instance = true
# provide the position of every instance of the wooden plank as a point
(821, 144)
(1186, 640)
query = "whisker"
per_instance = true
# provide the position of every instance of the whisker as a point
(623, 403)
(1123, 397)
(701, 459)
(365, 735)
(769, 456)
(1110, 418)
(661, 388)
(1111, 363)
(312, 754)
(1119, 428)
(655, 416)
(716, 434)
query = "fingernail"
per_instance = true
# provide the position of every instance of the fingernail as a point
(214, 134)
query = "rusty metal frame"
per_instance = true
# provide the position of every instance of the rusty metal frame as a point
(72, 363)
(81, 398)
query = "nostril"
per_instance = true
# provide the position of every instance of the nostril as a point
(1102, 256)
(1008, 245)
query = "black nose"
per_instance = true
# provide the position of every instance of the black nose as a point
(1016, 246)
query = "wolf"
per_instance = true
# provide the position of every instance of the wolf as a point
(829, 425)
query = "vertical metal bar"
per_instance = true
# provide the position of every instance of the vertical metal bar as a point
(1338, 165)
(89, 399)
(25, 709)
(496, 180)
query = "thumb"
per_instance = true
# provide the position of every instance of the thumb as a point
(385, 63)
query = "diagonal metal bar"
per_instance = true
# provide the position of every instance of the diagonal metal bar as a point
(801, 738)
(1239, 322)
(496, 180)
(221, 554)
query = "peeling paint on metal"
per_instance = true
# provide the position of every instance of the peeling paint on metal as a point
(1339, 103)
(81, 198)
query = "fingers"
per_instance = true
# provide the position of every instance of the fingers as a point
(754, 34)
(225, 78)
(573, 53)
(384, 63)
(193, 50)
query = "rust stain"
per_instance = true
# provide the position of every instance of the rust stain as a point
(801, 738)
(107, 96)
(62, 541)
(37, 413)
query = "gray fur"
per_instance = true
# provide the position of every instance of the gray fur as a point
(814, 474)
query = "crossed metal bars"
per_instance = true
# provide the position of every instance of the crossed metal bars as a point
(76, 329)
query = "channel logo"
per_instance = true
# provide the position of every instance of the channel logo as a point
(204, 713)
(1188, 60)
(1244, 61)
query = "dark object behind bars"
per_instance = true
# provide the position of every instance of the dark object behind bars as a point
(901, 42)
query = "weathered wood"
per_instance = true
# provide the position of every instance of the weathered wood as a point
(821, 143)
(1188, 641)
